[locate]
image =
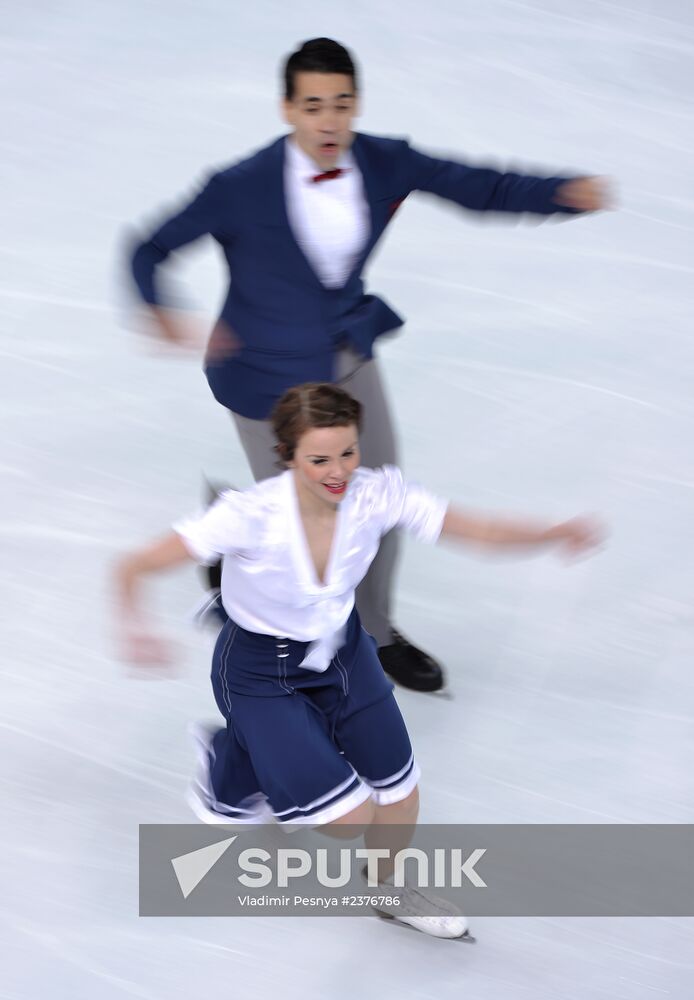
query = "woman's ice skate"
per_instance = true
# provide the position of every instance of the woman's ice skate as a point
(424, 912)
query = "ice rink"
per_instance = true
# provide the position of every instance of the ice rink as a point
(544, 369)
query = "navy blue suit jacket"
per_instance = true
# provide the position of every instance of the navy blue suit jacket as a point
(288, 324)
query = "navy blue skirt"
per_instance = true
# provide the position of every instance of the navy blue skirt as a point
(309, 746)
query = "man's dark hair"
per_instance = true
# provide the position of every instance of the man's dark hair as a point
(318, 55)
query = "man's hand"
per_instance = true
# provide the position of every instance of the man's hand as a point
(222, 344)
(174, 328)
(179, 331)
(585, 194)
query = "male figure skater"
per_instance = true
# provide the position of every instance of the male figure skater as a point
(297, 222)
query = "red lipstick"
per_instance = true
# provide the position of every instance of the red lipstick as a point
(337, 489)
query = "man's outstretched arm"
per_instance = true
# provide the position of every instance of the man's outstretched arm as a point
(483, 189)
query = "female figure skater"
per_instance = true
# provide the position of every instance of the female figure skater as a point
(313, 733)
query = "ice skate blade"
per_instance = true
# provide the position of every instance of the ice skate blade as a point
(466, 937)
(444, 694)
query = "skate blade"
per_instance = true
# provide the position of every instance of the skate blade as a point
(442, 694)
(466, 937)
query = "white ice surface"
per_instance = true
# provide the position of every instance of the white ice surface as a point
(544, 369)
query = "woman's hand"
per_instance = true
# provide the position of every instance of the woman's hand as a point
(143, 647)
(575, 537)
(579, 536)
(137, 643)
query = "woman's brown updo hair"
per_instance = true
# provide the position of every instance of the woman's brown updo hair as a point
(314, 404)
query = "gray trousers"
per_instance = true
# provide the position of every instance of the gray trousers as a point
(362, 380)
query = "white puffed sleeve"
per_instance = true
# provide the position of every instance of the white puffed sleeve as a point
(410, 506)
(229, 525)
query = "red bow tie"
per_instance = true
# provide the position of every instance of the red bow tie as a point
(329, 175)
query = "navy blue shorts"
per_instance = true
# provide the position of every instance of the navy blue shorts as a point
(309, 746)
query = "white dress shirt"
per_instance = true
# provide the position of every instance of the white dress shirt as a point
(330, 219)
(269, 581)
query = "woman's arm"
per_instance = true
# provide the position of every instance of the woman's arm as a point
(139, 644)
(164, 554)
(577, 535)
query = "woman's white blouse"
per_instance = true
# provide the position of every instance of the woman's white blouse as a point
(269, 581)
